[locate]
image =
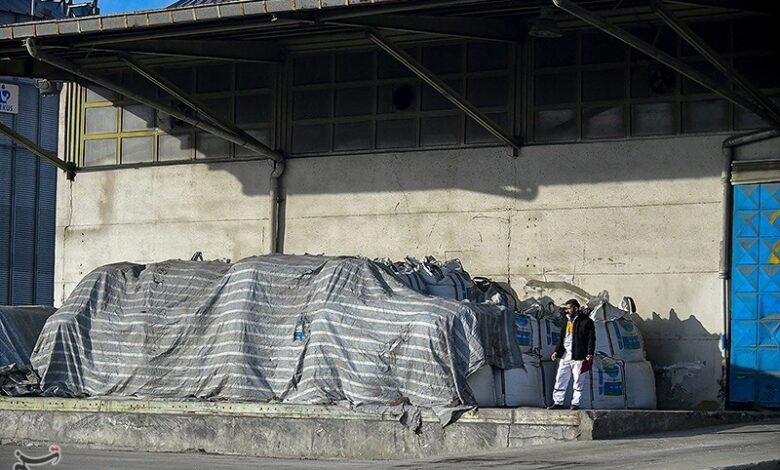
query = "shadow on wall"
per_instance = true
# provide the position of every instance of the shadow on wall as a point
(687, 359)
(494, 171)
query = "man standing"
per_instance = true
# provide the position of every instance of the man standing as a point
(575, 347)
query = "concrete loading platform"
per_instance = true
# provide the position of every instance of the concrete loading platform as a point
(298, 431)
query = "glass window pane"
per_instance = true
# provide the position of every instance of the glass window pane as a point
(253, 109)
(101, 120)
(263, 135)
(397, 98)
(311, 104)
(601, 48)
(98, 93)
(714, 33)
(705, 116)
(755, 34)
(311, 70)
(100, 152)
(485, 56)
(432, 100)
(488, 92)
(352, 136)
(659, 36)
(391, 68)
(175, 147)
(653, 118)
(252, 76)
(555, 52)
(443, 59)
(354, 101)
(476, 134)
(397, 133)
(311, 138)
(209, 146)
(358, 66)
(603, 122)
(222, 108)
(604, 85)
(746, 120)
(555, 125)
(652, 79)
(215, 78)
(440, 130)
(183, 78)
(137, 117)
(558, 88)
(137, 149)
(763, 72)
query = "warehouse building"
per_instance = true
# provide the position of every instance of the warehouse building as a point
(28, 184)
(566, 148)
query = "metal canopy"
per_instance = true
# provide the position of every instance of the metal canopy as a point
(99, 47)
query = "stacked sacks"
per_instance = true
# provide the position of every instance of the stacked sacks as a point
(406, 272)
(618, 338)
(445, 279)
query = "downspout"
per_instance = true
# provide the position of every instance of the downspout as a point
(724, 272)
(274, 235)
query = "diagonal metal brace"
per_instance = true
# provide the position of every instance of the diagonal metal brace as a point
(173, 90)
(250, 144)
(662, 57)
(685, 32)
(453, 96)
(67, 167)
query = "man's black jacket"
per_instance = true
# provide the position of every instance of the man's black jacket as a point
(583, 340)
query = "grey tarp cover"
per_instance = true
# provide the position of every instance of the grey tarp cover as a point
(19, 330)
(184, 329)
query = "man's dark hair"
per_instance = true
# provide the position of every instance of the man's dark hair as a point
(573, 303)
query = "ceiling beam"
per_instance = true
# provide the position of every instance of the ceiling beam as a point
(488, 29)
(237, 51)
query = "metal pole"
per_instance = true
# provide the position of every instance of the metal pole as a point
(69, 168)
(715, 59)
(453, 96)
(662, 57)
(258, 147)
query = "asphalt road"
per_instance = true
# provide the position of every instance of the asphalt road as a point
(722, 447)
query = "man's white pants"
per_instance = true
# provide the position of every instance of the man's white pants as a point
(567, 370)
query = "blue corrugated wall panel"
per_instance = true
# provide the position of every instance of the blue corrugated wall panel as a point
(28, 202)
(755, 297)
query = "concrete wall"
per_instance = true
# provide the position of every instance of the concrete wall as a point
(637, 217)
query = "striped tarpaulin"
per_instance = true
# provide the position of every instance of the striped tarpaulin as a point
(299, 329)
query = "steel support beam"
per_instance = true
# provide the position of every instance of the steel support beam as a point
(67, 167)
(488, 29)
(717, 61)
(236, 51)
(168, 87)
(453, 96)
(250, 144)
(662, 57)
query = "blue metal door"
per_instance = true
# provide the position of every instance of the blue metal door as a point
(755, 297)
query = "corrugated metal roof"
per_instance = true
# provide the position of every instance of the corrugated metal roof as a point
(192, 3)
(47, 9)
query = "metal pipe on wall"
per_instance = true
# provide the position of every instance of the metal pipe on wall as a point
(274, 236)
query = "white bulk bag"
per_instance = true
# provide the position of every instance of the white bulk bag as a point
(526, 327)
(446, 279)
(522, 386)
(483, 387)
(549, 334)
(607, 384)
(616, 334)
(640, 386)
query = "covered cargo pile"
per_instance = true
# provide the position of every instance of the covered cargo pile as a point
(19, 330)
(295, 329)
